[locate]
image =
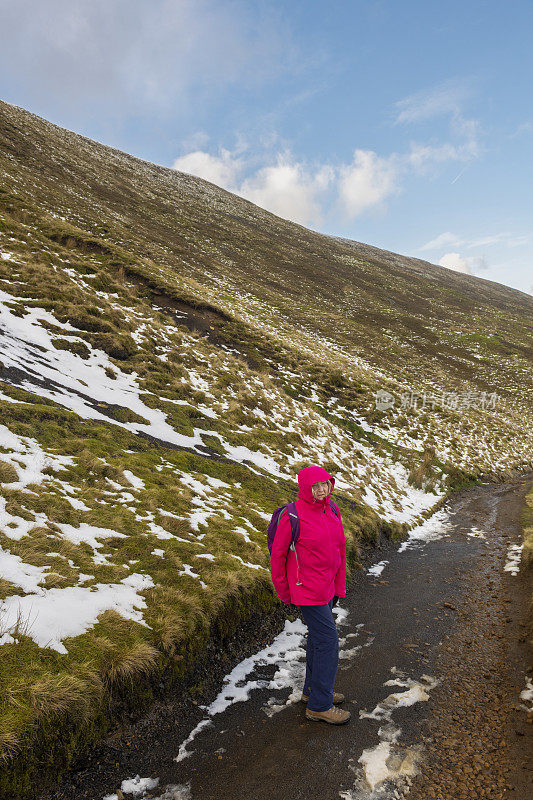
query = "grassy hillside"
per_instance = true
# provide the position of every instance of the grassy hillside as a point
(170, 356)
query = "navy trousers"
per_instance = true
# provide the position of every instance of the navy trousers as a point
(322, 655)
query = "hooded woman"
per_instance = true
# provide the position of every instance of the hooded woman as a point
(313, 576)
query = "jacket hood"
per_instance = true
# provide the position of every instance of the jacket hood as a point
(309, 475)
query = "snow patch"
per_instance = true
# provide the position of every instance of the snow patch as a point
(388, 765)
(377, 569)
(57, 614)
(436, 527)
(513, 558)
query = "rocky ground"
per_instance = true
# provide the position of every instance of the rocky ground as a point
(479, 739)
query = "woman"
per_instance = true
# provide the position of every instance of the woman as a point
(313, 576)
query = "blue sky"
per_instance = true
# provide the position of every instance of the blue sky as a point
(407, 125)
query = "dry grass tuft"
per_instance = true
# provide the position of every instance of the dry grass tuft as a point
(8, 473)
(19, 628)
(10, 745)
(169, 632)
(127, 663)
(54, 694)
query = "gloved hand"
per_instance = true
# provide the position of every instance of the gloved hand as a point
(335, 601)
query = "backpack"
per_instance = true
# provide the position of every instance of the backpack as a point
(294, 520)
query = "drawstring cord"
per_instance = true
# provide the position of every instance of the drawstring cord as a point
(293, 548)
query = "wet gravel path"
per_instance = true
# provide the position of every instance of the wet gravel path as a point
(443, 626)
(479, 741)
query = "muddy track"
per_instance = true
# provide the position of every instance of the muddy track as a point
(434, 655)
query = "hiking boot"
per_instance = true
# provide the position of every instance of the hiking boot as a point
(338, 698)
(335, 716)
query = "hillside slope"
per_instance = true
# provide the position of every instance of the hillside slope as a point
(171, 355)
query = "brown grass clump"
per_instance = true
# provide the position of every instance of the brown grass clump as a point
(124, 661)
(10, 745)
(169, 631)
(420, 474)
(55, 694)
(8, 473)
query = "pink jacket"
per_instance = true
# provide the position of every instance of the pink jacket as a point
(318, 570)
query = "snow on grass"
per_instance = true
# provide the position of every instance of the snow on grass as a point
(89, 534)
(136, 482)
(27, 576)
(6, 399)
(247, 563)
(79, 505)
(393, 486)
(208, 500)
(57, 614)
(244, 532)
(28, 458)
(15, 527)
(80, 384)
(513, 558)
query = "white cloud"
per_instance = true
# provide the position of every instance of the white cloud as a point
(486, 240)
(467, 264)
(423, 155)
(524, 127)
(295, 190)
(367, 181)
(196, 141)
(222, 169)
(443, 240)
(448, 239)
(518, 241)
(287, 187)
(443, 100)
(131, 55)
(289, 190)
(447, 98)
(508, 239)
(456, 262)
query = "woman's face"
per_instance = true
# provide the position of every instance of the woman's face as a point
(321, 489)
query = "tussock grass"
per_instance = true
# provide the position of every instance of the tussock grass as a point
(10, 743)
(423, 474)
(8, 473)
(53, 695)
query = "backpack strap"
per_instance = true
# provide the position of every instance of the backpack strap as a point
(334, 507)
(294, 519)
